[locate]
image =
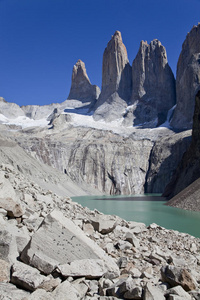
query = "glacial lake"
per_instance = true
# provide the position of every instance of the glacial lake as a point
(147, 209)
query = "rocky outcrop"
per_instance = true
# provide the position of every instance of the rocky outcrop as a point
(164, 159)
(81, 87)
(10, 110)
(187, 79)
(153, 84)
(116, 80)
(189, 168)
(61, 259)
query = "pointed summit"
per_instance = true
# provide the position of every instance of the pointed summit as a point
(116, 68)
(81, 87)
(153, 83)
(116, 80)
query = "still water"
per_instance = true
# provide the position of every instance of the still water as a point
(147, 209)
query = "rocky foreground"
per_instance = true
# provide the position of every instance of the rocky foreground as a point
(53, 248)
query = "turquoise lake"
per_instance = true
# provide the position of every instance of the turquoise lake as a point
(147, 209)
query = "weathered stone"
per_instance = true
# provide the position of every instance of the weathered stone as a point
(153, 84)
(65, 291)
(103, 223)
(9, 291)
(26, 277)
(49, 284)
(132, 239)
(187, 79)
(81, 88)
(178, 276)
(39, 294)
(179, 291)
(81, 286)
(152, 293)
(60, 241)
(4, 271)
(135, 293)
(8, 246)
(13, 208)
(89, 268)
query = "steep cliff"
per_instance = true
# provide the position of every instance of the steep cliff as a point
(116, 81)
(187, 80)
(189, 168)
(153, 84)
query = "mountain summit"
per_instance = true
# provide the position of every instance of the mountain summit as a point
(81, 87)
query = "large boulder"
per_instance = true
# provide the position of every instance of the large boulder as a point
(187, 79)
(59, 241)
(153, 84)
(116, 81)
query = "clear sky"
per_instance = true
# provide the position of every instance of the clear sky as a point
(41, 40)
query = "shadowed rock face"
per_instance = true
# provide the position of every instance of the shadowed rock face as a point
(188, 79)
(153, 83)
(116, 80)
(189, 168)
(81, 88)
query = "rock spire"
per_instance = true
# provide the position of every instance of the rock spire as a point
(81, 87)
(116, 80)
(153, 83)
(187, 79)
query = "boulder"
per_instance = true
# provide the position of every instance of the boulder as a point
(153, 84)
(9, 291)
(89, 268)
(26, 277)
(59, 241)
(65, 291)
(178, 276)
(153, 293)
(103, 223)
(178, 291)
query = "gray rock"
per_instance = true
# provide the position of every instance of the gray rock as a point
(60, 241)
(39, 294)
(65, 291)
(153, 84)
(26, 277)
(187, 79)
(152, 293)
(9, 291)
(89, 268)
(81, 88)
(4, 271)
(103, 223)
(178, 276)
(179, 291)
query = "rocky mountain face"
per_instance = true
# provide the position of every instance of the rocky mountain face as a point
(81, 87)
(141, 94)
(153, 84)
(108, 162)
(189, 168)
(116, 81)
(187, 79)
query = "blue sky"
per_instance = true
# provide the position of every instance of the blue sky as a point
(41, 40)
